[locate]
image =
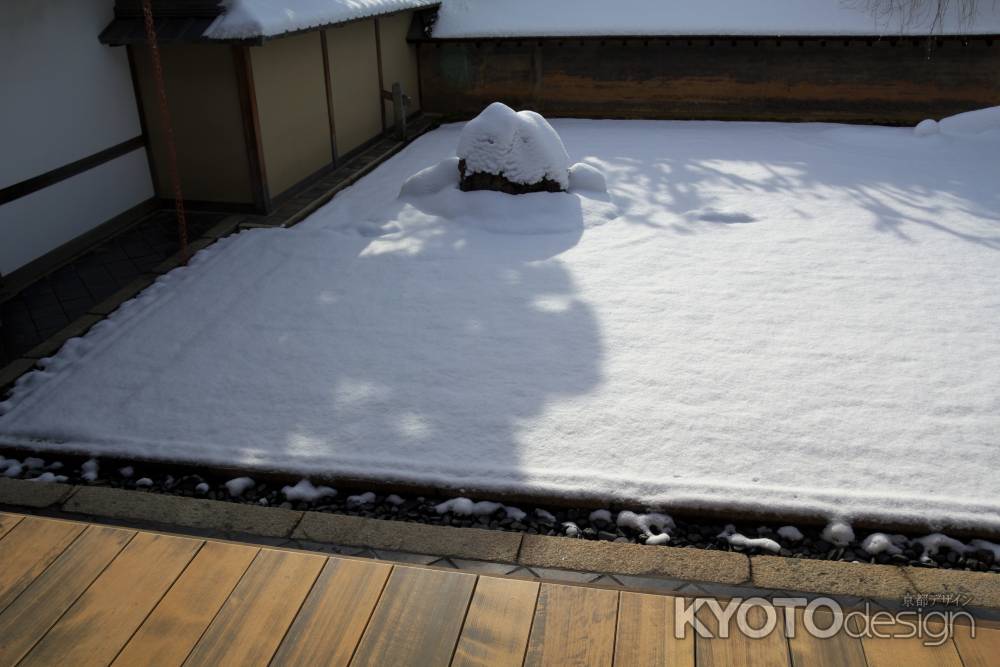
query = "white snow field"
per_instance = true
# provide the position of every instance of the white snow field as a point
(793, 319)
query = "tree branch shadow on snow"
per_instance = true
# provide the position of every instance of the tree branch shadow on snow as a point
(902, 191)
(438, 339)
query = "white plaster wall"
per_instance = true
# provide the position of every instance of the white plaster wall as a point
(33, 225)
(63, 96)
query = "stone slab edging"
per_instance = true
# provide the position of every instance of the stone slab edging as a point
(182, 511)
(723, 567)
(858, 580)
(447, 541)
(886, 582)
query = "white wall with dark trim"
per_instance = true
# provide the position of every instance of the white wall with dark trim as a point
(63, 97)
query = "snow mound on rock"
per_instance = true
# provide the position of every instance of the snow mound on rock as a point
(433, 194)
(587, 178)
(926, 127)
(967, 123)
(972, 122)
(521, 146)
(432, 179)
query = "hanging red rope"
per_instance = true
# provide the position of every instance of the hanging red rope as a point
(168, 129)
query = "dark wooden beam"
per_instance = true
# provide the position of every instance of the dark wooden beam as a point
(328, 81)
(251, 128)
(42, 181)
(163, 8)
(140, 107)
(381, 85)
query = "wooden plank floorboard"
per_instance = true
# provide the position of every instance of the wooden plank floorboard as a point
(7, 522)
(253, 621)
(739, 649)
(79, 594)
(334, 616)
(498, 623)
(886, 651)
(981, 651)
(30, 616)
(178, 621)
(646, 634)
(28, 549)
(417, 620)
(102, 620)
(573, 625)
(840, 650)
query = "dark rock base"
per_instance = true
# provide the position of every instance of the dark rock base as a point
(469, 181)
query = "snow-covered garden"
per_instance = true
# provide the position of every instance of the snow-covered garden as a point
(800, 320)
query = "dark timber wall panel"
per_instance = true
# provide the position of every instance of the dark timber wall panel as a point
(204, 104)
(873, 81)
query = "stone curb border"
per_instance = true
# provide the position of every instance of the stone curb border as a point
(862, 581)
(81, 325)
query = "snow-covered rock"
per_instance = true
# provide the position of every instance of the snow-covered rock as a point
(586, 178)
(502, 152)
(601, 516)
(238, 486)
(512, 151)
(432, 179)
(514, 513)
(467, 507)
(360, 500)
(571, 529)
(545, 515)
(305, 490)
(790, 533)
(644, 523)
(972, 122)
(33, 463)
(838, 533)
(49, 477)
(744, 542)
(926, 127)
(983, 545)
(934, 542)
(877, 543)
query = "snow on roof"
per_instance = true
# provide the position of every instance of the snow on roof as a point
(554, 18)
(267, 18)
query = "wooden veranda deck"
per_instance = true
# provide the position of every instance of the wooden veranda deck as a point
(78, 594)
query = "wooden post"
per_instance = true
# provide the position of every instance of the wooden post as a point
(400, 103)
(251, 129)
